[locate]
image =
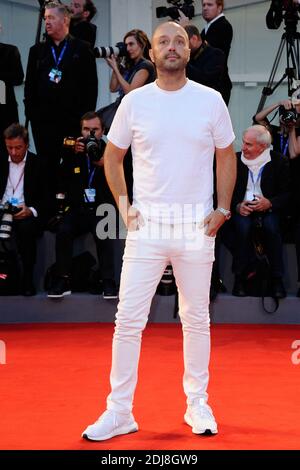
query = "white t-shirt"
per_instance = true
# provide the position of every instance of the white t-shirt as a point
(173, 136)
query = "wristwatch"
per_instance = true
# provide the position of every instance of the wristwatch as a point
(225, 212)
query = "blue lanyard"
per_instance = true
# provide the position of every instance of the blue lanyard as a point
(283, 147)
(257, 179)
(58, 61)
(90, 171)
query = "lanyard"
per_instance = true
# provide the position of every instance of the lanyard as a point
(257, 179)
(90, 171)
(59, 59)
(284, 147)
(14, 188)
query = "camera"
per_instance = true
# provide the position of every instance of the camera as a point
(186, 7)
(119, 50)
(61, 210)
(94, 148)
(44, 3)
(7, 212)
(282, 9)
(287, 116)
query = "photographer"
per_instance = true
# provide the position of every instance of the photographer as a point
(83, 11)
(286, 140)
(61, 85)
(82, 188)
(262, 191)
(285, 135)
(21, 184)
(135, 70)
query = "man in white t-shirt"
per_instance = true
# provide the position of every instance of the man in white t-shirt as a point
(174, 127)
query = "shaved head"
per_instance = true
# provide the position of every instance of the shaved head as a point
(168, 26)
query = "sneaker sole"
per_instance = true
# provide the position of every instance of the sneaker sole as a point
(207, 431)
(124, 430)
(59, 296)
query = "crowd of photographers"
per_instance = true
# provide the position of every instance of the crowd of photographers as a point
(61, 187)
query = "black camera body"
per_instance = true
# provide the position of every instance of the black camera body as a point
(94, 148)
(119, 50)
(7, 212)
(283, 9)
(287, 116)
(186, 6)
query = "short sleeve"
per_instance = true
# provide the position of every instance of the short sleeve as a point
(120, 133)
(222, 128)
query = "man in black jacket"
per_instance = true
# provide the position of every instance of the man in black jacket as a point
(21, 184)
(81, 27)
(262, 191)
(82, 188)
(218, 33)
(11, 74)
(60, 86)
(206, 64)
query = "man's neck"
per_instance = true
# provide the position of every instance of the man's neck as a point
(58, 39)
(215, 18)
(76, 21)
(17, 161)
(171, 81)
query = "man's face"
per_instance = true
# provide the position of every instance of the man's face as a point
(55, 23)
(194, 43)
(77, 9)
(16, 148)
(92, 125)
(210, 9)
(251, 148)
(170, 48)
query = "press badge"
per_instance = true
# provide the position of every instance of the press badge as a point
(90, 194)
(55, 75)
(14, 201)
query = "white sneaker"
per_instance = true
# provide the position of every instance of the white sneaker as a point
(200, 417)
(110, 424)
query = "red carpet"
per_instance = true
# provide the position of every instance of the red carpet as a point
(55, 382)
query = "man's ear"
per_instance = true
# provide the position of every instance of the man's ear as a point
(151, 55)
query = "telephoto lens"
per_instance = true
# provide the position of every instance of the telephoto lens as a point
(6, 226)
(103, 52)
(7, 210)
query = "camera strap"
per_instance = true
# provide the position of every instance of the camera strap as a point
(58, 60)
(91, 172)
(55, 74)
(89, 193)
(284, 146)
(257, 179)
(14, 188)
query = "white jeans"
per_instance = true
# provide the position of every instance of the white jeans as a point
(143, 264)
